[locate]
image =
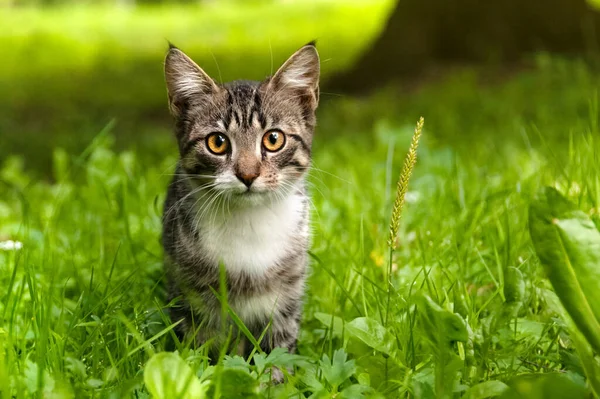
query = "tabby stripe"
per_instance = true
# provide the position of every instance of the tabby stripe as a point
(256, 108)
(301, 141)
(190, 144)
(228, 110)
(284, 158)
(246, 116)
(297, 165)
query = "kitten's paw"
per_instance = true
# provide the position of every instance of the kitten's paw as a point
(277, 376)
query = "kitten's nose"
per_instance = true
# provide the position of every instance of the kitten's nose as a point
(247, 178)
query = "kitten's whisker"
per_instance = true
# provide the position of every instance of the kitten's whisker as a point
(315, 179)
(193, 207)
(190, 175)
(214, 208)
(292, 186)
(228, 204)
(328, 173)
(271, 52)
(208, 192)
(208, 205)
(217, 65)
(316, 188)
(179, 202)
(198, 210)
(170, 167)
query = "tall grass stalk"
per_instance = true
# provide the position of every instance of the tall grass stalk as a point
(402, 187)
(401, 190)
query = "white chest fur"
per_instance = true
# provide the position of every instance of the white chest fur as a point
(252, 239)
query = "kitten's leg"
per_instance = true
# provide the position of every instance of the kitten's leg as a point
(179, 311)
(193, 326)
(283, 333)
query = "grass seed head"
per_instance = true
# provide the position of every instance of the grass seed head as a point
(402, 188)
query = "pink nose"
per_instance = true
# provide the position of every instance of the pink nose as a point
(247, 178)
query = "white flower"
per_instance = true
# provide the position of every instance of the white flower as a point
(10, 245)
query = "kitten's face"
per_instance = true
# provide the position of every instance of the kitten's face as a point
(249, 140)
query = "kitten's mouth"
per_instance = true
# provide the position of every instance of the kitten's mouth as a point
(250, 193)
(247, 193)
(249, 197)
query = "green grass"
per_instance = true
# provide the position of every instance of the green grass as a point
(84, 310)
(466, 309)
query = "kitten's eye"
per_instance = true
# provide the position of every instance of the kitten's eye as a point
(217, 143)
(273, 140)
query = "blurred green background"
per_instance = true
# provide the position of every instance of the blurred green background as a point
(68, 68)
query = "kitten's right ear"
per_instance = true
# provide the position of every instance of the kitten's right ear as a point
(185, 79)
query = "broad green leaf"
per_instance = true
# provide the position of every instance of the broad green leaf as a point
(283, 358)
(364, 379)
(568, 245)
(338, 369)
(279, 357)
(442, 328)
(260, 361)
(336, 324)
(546, 386)
(167, 376)
(585, 361)
(514, 286)
(487, 389)
(588, 361)
(423, 383)
(439, 324)
(238, 384)
(320, 394)
(233, 362)
(514, 294)
(376, 367)
(310, 378)
(372, 333)
(355, 391)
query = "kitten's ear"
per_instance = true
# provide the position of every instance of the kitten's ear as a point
(299, 75)
(185, 79)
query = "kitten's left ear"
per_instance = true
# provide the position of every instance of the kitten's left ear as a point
(299, 75)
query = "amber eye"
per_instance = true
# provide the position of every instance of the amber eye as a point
(273, 140)
(217, 143)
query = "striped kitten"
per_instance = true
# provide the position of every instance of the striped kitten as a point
(238, 198)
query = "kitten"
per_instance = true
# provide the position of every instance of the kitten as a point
(238, 198)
